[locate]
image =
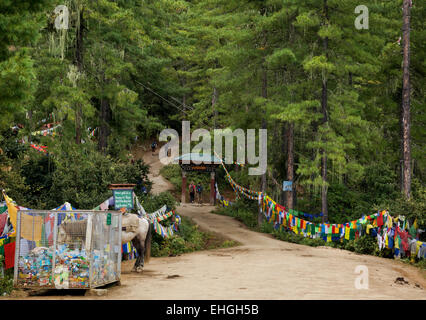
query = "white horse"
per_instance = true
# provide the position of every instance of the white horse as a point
(139, 231)
(134, 228)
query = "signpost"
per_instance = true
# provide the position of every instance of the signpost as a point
(287, 185)
(202, 167)
(123, 195)
(123, 198)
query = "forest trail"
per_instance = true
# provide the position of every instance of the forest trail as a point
(260, 268)
(159, 184)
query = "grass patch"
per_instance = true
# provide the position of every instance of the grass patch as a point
(173, 173)
(6, 282)
(242, 210)
(189, 238)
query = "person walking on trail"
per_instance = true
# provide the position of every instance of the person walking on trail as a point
(192, 191)
(199, 192)
(153, 146)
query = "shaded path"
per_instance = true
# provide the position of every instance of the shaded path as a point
(260, 268)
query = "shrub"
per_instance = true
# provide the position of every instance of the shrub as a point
(243, 210)
(152, 203)
(6, 282)
(187, 239)
(78, 174)
(366, 245)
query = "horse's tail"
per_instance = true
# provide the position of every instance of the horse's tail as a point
(148, 240)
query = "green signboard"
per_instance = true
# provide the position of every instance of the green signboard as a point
(123, 198)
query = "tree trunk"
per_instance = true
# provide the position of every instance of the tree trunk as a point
(214, 111)
(78, 61)
(264, 95)
(78, 124)
(284, 153)
(406, 122)
(184, 114)
(324, 100)
(104, 130)
(290, 163)
(30, 120)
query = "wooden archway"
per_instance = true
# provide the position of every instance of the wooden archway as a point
(201, 163)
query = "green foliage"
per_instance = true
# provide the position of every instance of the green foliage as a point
(78, 174)
(19, 27)
(85, 183)
(188, 239)
(173, 173)
(242, 210)
(289, 236)
(152, 203)
(421, 264)
(414, 208)
(6, 282)
(366, 245)
(219, 64)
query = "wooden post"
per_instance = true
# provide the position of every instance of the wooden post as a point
(183, 186)
(212, 188)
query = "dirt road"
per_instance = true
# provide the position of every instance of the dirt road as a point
(159, 184)
(260, 268)
(265, 268)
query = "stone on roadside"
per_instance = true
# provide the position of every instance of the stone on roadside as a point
(96, 292)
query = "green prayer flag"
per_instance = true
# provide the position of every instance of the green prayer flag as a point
(351, 234)
(413, 231)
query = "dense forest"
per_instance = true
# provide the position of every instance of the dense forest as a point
(330, 95)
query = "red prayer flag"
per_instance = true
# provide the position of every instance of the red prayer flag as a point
(380, 220)
(9, 255)
(281, 207)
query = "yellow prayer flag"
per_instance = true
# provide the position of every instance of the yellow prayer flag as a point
(31, 227)
(13, 212)
(347, 232)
